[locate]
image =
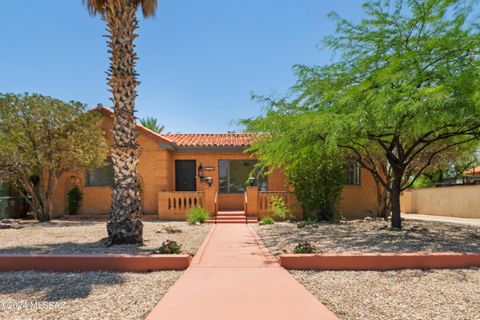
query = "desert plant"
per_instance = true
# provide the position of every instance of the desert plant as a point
(75, 197)
(170, 230)
(197, 214)
(306, 223)
(266, 220)
(280, 209)
(304, 247)
(169, 247)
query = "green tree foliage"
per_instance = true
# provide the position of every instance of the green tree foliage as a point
(318, 177)
(43, 137)
(151, 124)
(404, 90)
(315, 168)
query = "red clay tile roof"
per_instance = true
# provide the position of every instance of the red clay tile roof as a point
(211, 139)
(194, 139)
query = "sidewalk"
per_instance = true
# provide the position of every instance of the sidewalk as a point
(425, 217)
(232, 277)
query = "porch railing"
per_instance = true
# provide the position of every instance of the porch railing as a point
(216, 207)
(245, 207)
(265, 201)
(179, 202)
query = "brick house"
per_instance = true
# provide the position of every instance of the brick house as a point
(179, 171)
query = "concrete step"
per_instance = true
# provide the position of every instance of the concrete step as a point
(230, 213)
(231, 221)
(232, 217)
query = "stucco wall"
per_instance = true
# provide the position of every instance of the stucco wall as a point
(458, 201)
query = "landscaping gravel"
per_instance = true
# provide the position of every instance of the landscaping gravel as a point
(372, 236)
(86, 295)
(84, 237)
(397, 295)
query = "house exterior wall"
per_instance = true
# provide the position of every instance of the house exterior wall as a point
(359, 201)
(156, 170)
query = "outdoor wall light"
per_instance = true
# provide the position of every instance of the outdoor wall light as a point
(200, 172)
(209, 181)
(251, 180)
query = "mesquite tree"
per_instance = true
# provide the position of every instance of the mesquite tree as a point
(124, 225)
(406, 87)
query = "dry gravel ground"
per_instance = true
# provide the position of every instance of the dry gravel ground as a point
(372, 236)
(86, 295)
(395, 295)
(83, 237)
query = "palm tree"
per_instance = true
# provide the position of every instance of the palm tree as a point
(124, 225)
(151, 124)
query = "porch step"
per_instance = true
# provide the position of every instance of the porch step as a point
(250, 220)
(231, 217)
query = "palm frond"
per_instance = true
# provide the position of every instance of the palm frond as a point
(149, 7)
(151, 124)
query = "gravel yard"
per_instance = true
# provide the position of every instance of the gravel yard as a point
(395, 295)
(372, 236)
(83, 237)
(86, 295)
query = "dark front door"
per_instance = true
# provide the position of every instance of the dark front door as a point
(185, 172)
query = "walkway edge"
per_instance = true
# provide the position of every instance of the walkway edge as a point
(197, 258)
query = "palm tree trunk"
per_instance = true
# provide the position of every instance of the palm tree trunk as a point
(124, 225)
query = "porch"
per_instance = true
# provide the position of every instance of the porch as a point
(255, 204)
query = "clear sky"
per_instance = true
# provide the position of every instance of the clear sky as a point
(200, 60)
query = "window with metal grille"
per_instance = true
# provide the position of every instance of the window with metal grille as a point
(100, 177)
(353, 175)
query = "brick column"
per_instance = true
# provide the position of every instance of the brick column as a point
(252, 196)
(209, 199)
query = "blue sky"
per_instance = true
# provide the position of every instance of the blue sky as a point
(199, 60)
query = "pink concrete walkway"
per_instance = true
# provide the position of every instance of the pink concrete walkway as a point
(233, 277)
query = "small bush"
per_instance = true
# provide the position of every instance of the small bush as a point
(306, 223)
(75, 197)
(304, 247)
(197, 214)
(266, 220)
(280, 209)
(169, 247)
(170, 230)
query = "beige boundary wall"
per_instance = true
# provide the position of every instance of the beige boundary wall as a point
(458, 201)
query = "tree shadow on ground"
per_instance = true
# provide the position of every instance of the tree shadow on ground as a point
(53, 286)
(363, 236)
(96, 247)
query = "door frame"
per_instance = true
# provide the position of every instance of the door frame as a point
(194, 173)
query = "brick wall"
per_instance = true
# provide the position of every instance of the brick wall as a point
(359, 201)
(157, 173)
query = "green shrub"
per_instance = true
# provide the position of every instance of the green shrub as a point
(169, 247)
(266, 220)
(75, 197)
(306, 223)
(197, 214)
(423, 182)
(280, 209)
(304, 247)
(317, 176)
